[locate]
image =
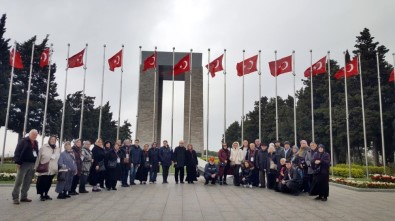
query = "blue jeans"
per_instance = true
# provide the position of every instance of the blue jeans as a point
(125, 174)
(152, 175)
(133, 171)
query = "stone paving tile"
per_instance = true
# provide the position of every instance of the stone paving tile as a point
(199, 202)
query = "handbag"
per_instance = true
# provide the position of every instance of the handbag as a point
(42, 167)
(62, 174)
(112, 164)
(273, 166)
(101, 165)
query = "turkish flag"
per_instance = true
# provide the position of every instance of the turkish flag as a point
(215, 65)
(115, 61)
(249, 66)
(318, 68)
(392, 76)
(351, 69)
(284, 65)
(17, 63)
(150, 62)
(183, 65)
(44, 59)
(76, 60)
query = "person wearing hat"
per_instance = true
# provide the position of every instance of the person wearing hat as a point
(286, 152)
(278, 149)
(107, 148)
(211, 171)
(320, 164)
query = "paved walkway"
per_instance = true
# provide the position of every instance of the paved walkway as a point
(199, 202)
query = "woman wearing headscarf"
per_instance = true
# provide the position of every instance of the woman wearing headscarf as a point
(320, 165)
(113, 167)
(86, 157)
(107, 148)
(47, 159)
(191, 162)
(142, 171)
(97, 171)
(272, 166)
(236, 157)
(67, 169)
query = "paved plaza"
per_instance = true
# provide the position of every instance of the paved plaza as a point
(198, 202)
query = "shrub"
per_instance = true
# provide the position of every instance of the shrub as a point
(344, 172)
(372, 169)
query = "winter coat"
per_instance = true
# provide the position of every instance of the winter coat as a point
(66, 161)
(272, 157)
(210, 169)
(179, 156)
(308, 159)
(51, 155)
(236, 156)
(224, 154)
(98, 155)
(136, 155)
(78, 160)
(289, 154)
(113, 173)
(191, 158)
(24, 151)
(86, 155)
(165, 156)
(153, 154)
(251, 156)
(261, 160)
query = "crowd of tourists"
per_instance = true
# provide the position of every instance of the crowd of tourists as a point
(283, 169)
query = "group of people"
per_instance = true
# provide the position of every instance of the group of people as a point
(285, 169)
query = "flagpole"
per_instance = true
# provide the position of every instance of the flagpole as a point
(225, 95)
(381, 112)
(64, 97)
(46, 97)
(294, 78)
(260, 95)
(172, 102)
(242, 104)
(312, 96)
(363, 115)
(8, 103)
(154, 111)
(347, 123)
(275, 75)
(330, 109)
(120, 96)
(190, 102)
(28, 91)
(138, 96)
(102, 88)
(83, 93)
(208, 103)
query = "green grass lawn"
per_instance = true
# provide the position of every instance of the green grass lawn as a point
(8, 168)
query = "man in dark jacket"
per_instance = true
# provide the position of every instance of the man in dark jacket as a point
(125, 165)
(179, 161)
(293, 179)
(153, 155)
(136, 156)
(251, 157)
(261, 163)
(25, 156)
(279, 149)
(286, 152)
(165, 157)
(78, 161)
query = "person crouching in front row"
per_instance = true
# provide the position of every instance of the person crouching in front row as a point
(293, 179)
(211, 172)
(246, 174)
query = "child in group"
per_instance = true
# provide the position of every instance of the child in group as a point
(246, 173)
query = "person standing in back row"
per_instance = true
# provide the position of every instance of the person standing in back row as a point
(179, 161)
(224, 163)
(25, 156)
(136, 156)
(165, 157)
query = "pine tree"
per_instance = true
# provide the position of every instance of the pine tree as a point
(5, 70)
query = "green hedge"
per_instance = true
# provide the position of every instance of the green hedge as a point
(343, 172)
(372, 169)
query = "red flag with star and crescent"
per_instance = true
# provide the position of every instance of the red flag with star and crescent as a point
(284, 65)
(150, 62)
(351, 69)
(215, 65)
(115, 61)
(76, 60)
(317, 68)
(249, 66)
(44, 59)
(392, 76)
(17, 63)
(183, 65)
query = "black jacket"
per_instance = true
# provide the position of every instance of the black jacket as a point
(24, 151)
(261, 160)
(191, 158)
(98, 155)
(165, 156)
(179, 156)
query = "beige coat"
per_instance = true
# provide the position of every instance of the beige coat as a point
(45, 155)
(237, 156)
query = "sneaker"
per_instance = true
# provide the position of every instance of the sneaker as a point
(26, 200)
(96, 190)
(244, 186)
(318, 198)
(15, 201)
(250, 186)
(151, 182)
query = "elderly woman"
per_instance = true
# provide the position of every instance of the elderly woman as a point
(113, 161)
(86, 157)
(191, 162)
(320, 165)
(46, 166)
(97, 171)
(224, 163)
(272, 166)
(211, 172)
(236, 157)
(67, 169)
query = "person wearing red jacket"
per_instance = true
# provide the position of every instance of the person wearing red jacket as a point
(224, 163)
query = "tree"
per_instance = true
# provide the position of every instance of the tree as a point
(233, 133)
(4, 70)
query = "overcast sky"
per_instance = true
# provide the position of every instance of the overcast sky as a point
(198, 24)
